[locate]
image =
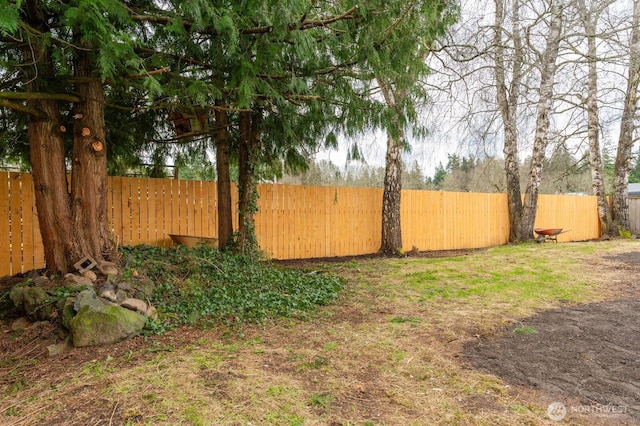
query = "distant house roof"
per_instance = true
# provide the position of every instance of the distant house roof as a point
(634, 189)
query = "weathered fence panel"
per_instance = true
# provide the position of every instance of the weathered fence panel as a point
(292, 221)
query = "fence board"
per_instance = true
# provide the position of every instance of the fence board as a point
(5, 236)
(28, 219)
(38, 248)
(173, 203)
(110, 205)
(210, 206)
(282, 247)
(116, 189)
(262, 230)
(336, 228)
(16, 223)
(634, 214)
(147, 229)
(136, 210)
(152, 211)
(197, 209)
(190, 202)
(127, 208)
(163, 207)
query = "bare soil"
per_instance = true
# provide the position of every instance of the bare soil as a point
(587, 356)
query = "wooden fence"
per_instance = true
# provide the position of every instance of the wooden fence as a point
(293, 221)
(634, 215)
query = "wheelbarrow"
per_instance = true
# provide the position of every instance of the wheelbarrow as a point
(548, 234)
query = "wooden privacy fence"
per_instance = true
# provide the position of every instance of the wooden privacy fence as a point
(293, 221)
(634, 215)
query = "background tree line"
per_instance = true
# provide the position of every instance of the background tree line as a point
(564, 173)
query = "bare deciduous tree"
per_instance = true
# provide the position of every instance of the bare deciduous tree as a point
(589, 18)
(508, 100)
(627, 127)
(548, 69)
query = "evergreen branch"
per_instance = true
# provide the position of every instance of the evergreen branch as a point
(398, 20)
(21, 108)
(227, 108)
(50, 36)
(173, 56)
(305, 25)
(147, 73)
(323, 71)
(299, 26)
(155, 19)
(184, 138)
(40, 95)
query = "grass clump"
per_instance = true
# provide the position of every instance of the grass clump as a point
(527, 329)
(204, 285)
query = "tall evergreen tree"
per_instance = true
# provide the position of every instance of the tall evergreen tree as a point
(62, 55)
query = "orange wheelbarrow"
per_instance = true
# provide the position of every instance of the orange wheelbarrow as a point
(548, 234)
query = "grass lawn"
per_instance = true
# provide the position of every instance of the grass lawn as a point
(386, 352)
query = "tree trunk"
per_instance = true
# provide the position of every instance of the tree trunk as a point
(625, 141)
(589, 20)
(46, 147)
(541, 140)
(248, 143)
(47, 155)
(508, 104)
(89, 168)
(244, 175)
(391, 197)
(225, 222)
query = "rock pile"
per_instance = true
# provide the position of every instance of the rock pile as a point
(96, 308)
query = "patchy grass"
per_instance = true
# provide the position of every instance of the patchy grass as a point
(385, 352)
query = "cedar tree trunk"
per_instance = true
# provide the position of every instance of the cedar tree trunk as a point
(225, 223)
(46, 147)
(247, 192)
(73, 222)
(47, 155)
(89, 167)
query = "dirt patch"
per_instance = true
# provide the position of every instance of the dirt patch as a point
(587, 355)
(431, 254)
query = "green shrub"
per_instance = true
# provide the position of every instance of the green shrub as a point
(205, 285)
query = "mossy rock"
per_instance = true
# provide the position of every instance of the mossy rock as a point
(105, 325)
(37, 303)
(17, 297)
(144, 287)
(68, 312)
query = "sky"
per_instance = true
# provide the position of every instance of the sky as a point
(449, 132)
